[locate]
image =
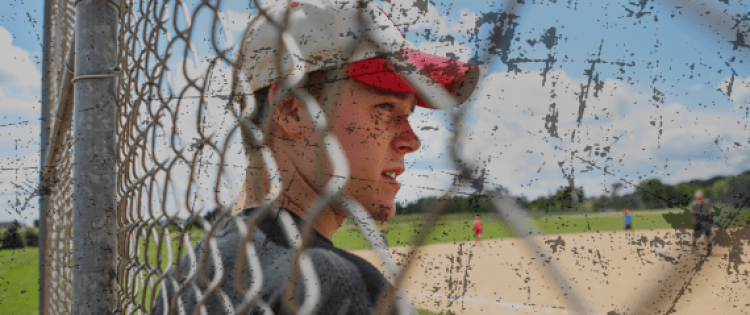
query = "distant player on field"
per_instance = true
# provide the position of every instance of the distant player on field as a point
(384, 231)
(477, 229)
(702, 216)
(628, 216)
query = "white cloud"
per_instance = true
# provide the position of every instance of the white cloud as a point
(237, 21)
(446, 49)
(214, 124)
(410, 17)
(429, 125)
(740, 91)
(622, 136)
(21, 103)
(18, 181)
(421, 183)
(19, 78)
(19, 132)
(17, 70)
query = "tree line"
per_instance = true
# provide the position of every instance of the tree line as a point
(14, 238)
(733, 191)
(458, 204)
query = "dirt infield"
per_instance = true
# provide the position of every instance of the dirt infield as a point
(611, 270)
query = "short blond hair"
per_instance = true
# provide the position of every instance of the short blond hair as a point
(699, 193)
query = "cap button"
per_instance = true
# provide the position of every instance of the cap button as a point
(295, 4)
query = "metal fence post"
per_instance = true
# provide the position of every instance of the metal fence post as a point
(94, 169)
(44, 128)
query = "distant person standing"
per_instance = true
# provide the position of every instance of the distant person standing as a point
(628, 216)
(384, 231)
(702, 216)
(477, 229)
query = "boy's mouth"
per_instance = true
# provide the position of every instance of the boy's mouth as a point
(390, 176)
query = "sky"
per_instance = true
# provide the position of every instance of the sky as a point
(574, 93)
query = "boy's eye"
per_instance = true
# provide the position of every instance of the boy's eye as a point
(387, 106)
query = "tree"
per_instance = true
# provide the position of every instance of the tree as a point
(603, 202)
(540, 204)
(210, 215)
(12, 238)
(476, 204)
(684, 193)
(615, 187)
(562, 200)
(410, 208)
(656, 195)
(732, 190)
(32, 239)
(427, 205)
(400, 209)
(629, 201)
(566, 198)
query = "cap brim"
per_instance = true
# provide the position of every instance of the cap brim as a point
(458, 78)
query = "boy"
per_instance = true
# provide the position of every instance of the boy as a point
(628, 219)
(384, 231)
(335, 46)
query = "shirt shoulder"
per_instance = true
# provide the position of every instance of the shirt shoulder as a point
(348, 275)
(345, 283)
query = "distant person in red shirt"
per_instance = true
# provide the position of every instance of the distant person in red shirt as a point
(477, 229)
(384, 231)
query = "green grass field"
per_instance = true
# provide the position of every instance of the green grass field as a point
(459, 227)
(19, 268)
(602, 222)
(19, 281)
(403, 229)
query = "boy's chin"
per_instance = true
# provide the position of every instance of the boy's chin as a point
(383, 213)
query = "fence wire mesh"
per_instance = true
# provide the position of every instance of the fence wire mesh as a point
(181, 155)
(58, 281)
(60, 233)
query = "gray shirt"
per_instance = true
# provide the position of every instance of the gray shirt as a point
(348, 283)
(701, 210)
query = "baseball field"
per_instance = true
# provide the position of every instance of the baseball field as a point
(647, 271)
(459, 227)
(608, 267)
(609, 270)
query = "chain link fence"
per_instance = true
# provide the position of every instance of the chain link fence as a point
(180, 155)
(56, 250)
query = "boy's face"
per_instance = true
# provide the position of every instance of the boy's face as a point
(375, 134)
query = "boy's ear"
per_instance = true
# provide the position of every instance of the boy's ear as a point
(287, 113)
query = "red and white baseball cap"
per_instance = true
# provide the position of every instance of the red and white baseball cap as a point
(331, 34)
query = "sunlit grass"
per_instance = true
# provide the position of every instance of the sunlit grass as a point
(19, 281)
